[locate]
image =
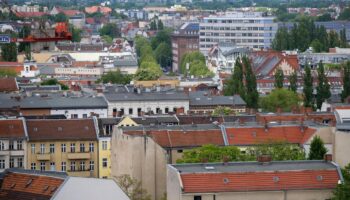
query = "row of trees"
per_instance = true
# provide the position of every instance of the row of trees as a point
(306, 34)
(278, 151)
(193, 63)
(243, 82)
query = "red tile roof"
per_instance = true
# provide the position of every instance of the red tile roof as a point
(90, 20)
(259, 181)
(101, 9)
(188, 138)
(70, 13)
(28, 186)
(15, 66)
(59, 129)
(8, 85)
(12, 128)
(30, 14)
(252, 136)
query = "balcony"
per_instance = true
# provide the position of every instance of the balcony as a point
(79, 156)
(43, 156)
(80, 173)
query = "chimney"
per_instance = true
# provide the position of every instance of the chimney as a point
(264, 159)
(328, 158)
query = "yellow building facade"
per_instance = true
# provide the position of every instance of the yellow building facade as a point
(104, 157)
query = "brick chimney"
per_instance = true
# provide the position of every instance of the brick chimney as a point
(328, 157)
(264, 159)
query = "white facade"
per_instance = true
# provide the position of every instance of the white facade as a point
(251, 30)
(79, 71)
(80, 113)
(30, 70)
(132, 108)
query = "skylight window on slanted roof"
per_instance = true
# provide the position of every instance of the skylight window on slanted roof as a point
(86, 128)
(13, 185)
(11, 126)
(35, 129)
(53, 188)
(59, 128)
(46, 187)
(29, 182)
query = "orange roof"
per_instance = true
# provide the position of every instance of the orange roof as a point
(70, 13)
(17, 67)
(30, 14)
(13, 128)
(94, 9)
(28, 186)
(8, 85)
(259, 181)
(188, 138)
(258, 135)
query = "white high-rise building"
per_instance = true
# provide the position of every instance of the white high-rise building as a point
(245, 29)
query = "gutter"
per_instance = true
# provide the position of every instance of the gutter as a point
(339, 172)
(224, 134)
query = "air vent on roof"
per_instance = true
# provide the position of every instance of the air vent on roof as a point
(59, 128)
(53, 188)
(319, 178)
(46, 187)
(276, 179)
(13, 185)
(86, 128)
(35, 129)
(254, 133)
(226, 180)
(209, 167)
(29, 182)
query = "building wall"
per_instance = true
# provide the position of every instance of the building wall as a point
(141, 158)
(58, 157)
(146, 106)
(265, 195)
(102, 112)
(341, 148)
(27, 112)
(15, 154)
(174, 191)
(104, 172)
(79, 71)
(180, 46)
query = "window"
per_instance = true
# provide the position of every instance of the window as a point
(72, 166)
(20, 162)
(52, 148)
(104, 145)
(91, 147)
(2, 164)
(104, 177)
(166, 110)
(92, 165)
(130, 111)
(82, 147)
(42, 166)
(63, 167)
(197, 198)
(72, 147)
(32, 146)
(104, 162)
(74, 116)
(11, 146)
(63, 148)
(19, 145)
(85, 116)
(52, 166)
(12, 162)
(42, 148)
(2, 146)
(33, 166)
(82, 166)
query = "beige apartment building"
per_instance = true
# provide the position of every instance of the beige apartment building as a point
(63, 145)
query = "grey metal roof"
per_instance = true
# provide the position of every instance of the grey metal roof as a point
(147, 120)
(38, 172)
(52, 101)
(125, 95)
(255, 166)
(125, 63)
(202, 99)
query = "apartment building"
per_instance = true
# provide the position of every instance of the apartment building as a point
(245, 29)
(13, 143)
(63, 145)
(183, 40)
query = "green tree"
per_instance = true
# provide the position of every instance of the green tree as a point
(323, 88)
(325, 18)
(235, 83)
(162, 36)
(220, 110)
(280, 42)
(163, 54)
(345, 15)
(342, 192)
(9, 52)
(316, 46)
(317, 149)
(7, 73)
(107, 39)
(116, 77)
(252, 95)
(60, 17)
(132, 188)
(279, 78)
(28, 53)
(308, 87)
(333, 39)
(55, 82)
(293, 80)
(111, 30)
(343, 39)
(278, 151)
(346, 81)
(195, 60)
(148, 71)
(139, 43)
(280, 98)
(76, 34)
(199, 69)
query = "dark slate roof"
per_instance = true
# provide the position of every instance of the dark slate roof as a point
(255, 166)
(203, 99)
(125, 63)
(148, 120)
(52, 101)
